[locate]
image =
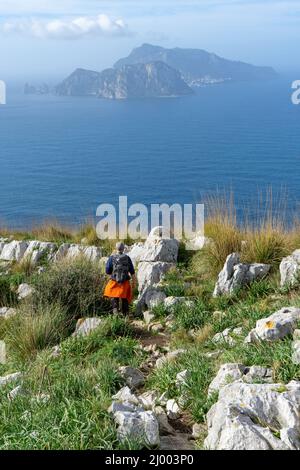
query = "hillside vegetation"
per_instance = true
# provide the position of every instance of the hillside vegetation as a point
(66, 392)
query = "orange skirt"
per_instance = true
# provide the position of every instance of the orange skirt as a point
(121, 291)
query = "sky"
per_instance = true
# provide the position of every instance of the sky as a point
(48, 39)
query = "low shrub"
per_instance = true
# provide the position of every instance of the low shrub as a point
(76, 284)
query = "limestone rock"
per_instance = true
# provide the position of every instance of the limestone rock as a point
(289, 268)
(150, 273)
(86, 325)
(36, 250)
(126, 395)
(24, 291)
(235, 275)
(140, 425)
(276, 326)
(247, 415)
(13, 251)
(135, 252)
(232, 372)
(133, 377)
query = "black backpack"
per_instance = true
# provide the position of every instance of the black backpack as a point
(120, 268)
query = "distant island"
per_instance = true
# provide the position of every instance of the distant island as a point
(153, 71)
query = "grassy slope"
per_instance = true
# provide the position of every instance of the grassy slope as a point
(82, 380)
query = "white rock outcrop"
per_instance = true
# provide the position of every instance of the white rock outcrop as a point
(290, 268)
(24, 291)
(255, 417)
(276, 326)
(13, 251)
(235, 275)
(141, 426)
(85, 326)
(233, 372)
(156, 257)
(36, 250)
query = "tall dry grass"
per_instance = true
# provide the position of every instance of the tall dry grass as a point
(265, 238)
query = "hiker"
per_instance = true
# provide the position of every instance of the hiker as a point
(121, 270)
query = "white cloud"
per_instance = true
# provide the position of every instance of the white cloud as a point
(75, 28)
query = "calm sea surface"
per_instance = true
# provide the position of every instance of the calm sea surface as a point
(61, 157)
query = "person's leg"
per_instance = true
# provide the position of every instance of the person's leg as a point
(115, 304)
(125, 307)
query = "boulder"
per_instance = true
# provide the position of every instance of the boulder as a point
(248, 416)
(289, 268)
(62, 252)
(276, 326)
(157, 249)
(92, 253)
(135, 252)
(24, 291)
(141, 426)
(227, 373)
(133, 377)
(126, 395)
(150, 273)
(85, 326)
(232, 372)
(149, 399)
(151, 297)
(235, 275)
(13, 251)
(36, 250)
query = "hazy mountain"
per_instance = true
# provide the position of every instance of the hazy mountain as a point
(155, 79)
(195, 64)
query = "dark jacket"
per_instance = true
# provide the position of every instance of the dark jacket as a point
(109, 266)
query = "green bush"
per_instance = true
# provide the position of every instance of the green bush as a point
(77, 285)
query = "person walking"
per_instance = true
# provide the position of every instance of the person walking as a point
(121, 270)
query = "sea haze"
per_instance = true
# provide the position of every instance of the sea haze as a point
(63, 156)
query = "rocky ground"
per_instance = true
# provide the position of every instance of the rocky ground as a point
(201, 363)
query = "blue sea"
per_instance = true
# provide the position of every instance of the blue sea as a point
(60, 157)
